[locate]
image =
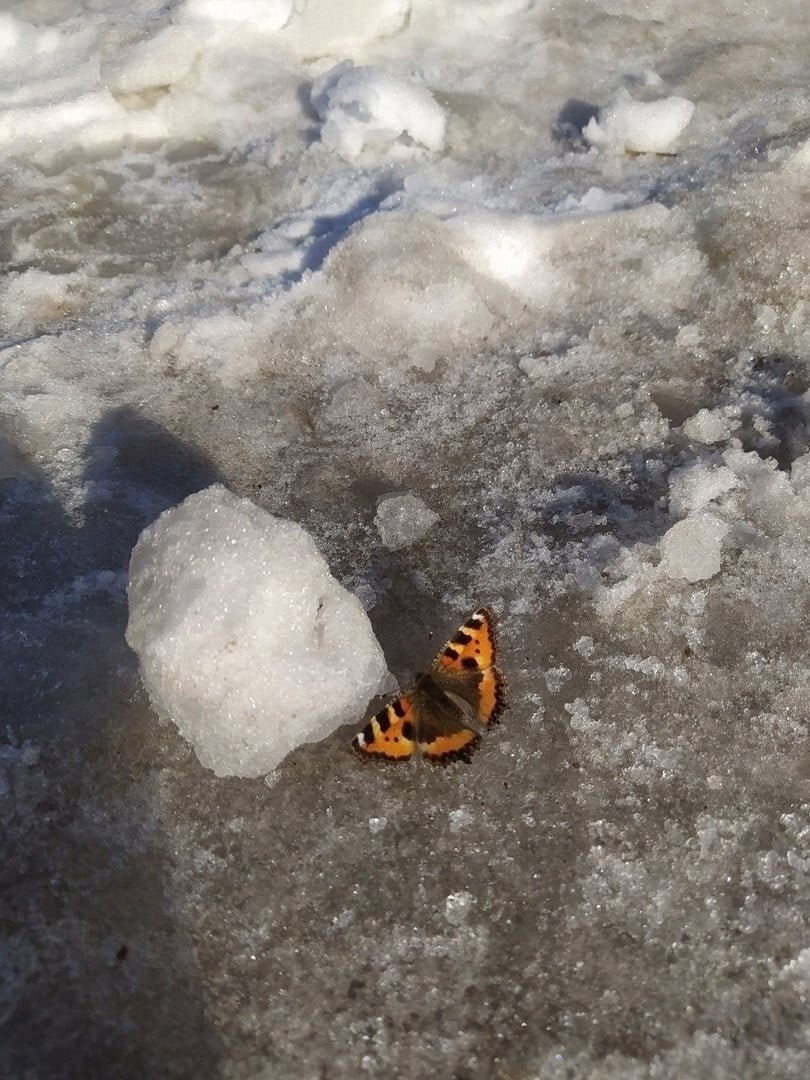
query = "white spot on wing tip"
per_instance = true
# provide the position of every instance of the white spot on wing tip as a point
(359, 740)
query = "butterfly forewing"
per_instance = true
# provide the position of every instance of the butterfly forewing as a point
(390, 733)
(473, 646)
(466, 667)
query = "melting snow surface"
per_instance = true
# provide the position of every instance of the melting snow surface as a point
(469, 301)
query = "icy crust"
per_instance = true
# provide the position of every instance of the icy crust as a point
(245, 640)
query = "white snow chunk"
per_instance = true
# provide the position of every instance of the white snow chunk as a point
(401, 520)
(245, 639)
(694, 486)
(366, 106)
(710, 426)
(692, 548)
(642, 127)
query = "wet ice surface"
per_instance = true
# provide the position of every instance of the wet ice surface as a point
(591, 365)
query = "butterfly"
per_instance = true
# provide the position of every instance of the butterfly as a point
(463, 683)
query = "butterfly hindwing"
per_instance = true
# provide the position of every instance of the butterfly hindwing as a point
(465, 667)
(390, 734)
(443, 736)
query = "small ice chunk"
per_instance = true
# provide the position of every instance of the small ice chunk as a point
(402, 520)
(694, 486)
(457, 907)
(377, 824)
(580, 714)
(692, 548)
(709, 426)
(641, 127)
(460, 819)
(688, 336)
(245, 639)
(585, 646)
(366, 106)
(767, 317)
(556, 677)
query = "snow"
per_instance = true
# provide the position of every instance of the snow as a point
(692, 548)
(539, 268)
(641, 127)
(245, 640)
(262, 15)
(367, 107)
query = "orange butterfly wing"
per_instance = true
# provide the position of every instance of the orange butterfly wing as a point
(468, 660)
(441, 747)
(390, 734)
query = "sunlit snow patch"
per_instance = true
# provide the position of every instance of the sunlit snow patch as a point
(512, 249)
(261, 14)
(641, 127)
(328, 28)
(367, 107)
(245, 639)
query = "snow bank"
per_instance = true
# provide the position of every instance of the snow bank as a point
(245, 639)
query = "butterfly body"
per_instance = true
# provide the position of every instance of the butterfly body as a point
(462, 685)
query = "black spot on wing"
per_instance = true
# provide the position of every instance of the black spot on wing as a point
(461, 638)
(407, 730)
(469, 662)
(399, 708)
(451, 653)
(383, 721)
